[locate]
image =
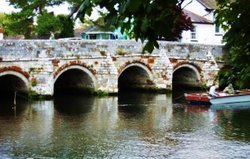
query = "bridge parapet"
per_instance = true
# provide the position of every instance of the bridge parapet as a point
(33, 49)
(190, 51)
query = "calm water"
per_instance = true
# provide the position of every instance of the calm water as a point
(128, 126)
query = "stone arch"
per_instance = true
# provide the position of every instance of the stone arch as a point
(15, 69)
(137, 64)
(66, 68)
(19, 77)
(135, 75)
(187, 74)
(73, 63)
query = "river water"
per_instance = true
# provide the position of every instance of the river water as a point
(124, 126)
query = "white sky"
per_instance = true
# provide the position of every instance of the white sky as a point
(5, 8)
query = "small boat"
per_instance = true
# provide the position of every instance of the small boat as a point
(241, 98)
(231, 99)
(197, 98)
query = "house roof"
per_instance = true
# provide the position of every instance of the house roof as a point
(209, 4)
(78, 32)
(195, 18)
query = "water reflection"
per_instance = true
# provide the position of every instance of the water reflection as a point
(127, 126)
(73, 104)
(133, 104)
(231, 124)
(196, 109)
(189, 118)
(7, 107)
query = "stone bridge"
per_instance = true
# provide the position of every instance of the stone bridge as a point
(47, 67)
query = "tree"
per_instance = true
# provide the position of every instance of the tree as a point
(234, 17)
(22, 21)
(96, 25)
(146, 19)
(4, 20)
(9, 26)
(17, 24)
(67, 26)
(47, 23)
(149, 20)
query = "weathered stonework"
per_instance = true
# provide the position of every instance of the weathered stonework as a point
(42, 62)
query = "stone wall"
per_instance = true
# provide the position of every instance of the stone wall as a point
(43, 61)
(32, 49)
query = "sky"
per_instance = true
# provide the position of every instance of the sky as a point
(5, 8)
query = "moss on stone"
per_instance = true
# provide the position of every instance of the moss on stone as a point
(33, 95)
(100, 93)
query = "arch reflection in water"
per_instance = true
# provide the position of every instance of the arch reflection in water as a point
(7, 107)
(73, 104)
(134, 104)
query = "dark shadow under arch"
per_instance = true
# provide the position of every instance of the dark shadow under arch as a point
(134, 78)
(9, 84)
(186, 78)
(74, 81)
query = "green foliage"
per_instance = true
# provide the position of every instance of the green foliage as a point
(18, 24)
(78, 57)
(99, 24)
(103, 53)
(141, 19)
(33, 82)
(96, 25)
(34, 5)
(234, 16)
(121, 51)
(46, 23)
(100, 93)
(67, 26)
(144, 19)
(22, 22)
(32, 96)
(4, 21)
(2, 18)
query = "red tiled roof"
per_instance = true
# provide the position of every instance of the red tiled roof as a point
(196, 18)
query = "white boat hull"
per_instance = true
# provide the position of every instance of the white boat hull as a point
(231, 99)
(241, 105)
